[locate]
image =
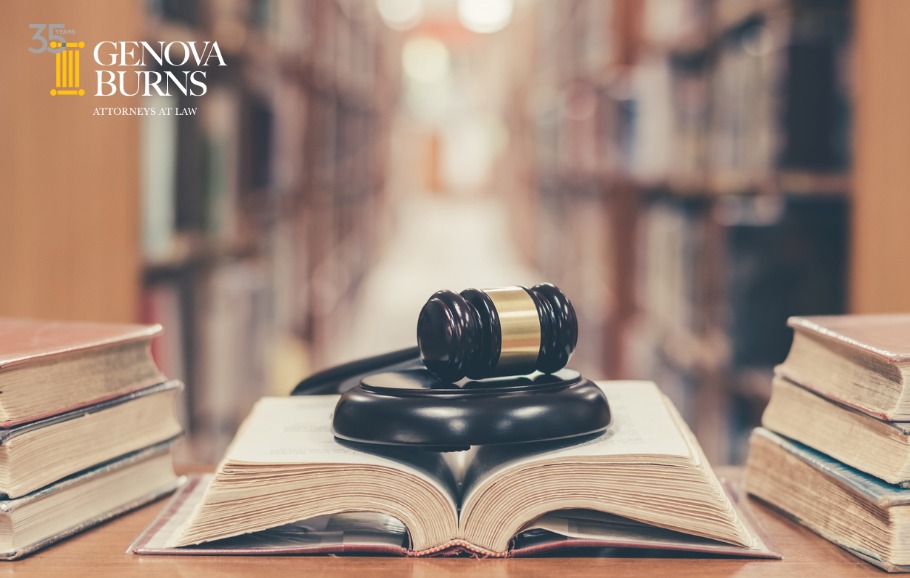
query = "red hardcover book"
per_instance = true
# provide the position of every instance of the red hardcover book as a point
(49, 367)
(862, 361)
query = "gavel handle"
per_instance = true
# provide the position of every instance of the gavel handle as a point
(340, 378)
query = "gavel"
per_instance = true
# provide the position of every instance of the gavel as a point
(496, 332)
(417, 397)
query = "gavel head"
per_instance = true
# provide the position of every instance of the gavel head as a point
(496, 332)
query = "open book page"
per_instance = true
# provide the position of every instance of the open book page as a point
(591, 525)
(556, 531)
(285, 465)
(366, 533)
(642, 426)
(356, 531)
(297, 430)
(647, 467)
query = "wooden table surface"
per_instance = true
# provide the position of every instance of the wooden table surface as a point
(101, 553)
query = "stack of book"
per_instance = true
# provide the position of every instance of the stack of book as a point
(834, 452)
(86, 424)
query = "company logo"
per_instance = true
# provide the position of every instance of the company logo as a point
(66, 57)
(132, 57)
(122, 64)
(66, 67)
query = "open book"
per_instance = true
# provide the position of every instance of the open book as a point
(287, 485)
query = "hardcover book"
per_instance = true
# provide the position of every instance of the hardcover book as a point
(287, 485)
(38, 453)
(49, 367)
(79, 502)
(877, 447)
(856, 511)
(860, 360)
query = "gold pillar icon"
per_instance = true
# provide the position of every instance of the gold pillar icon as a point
(67, 68)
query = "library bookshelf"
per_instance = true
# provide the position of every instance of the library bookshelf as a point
(693, 160)
(244, 226)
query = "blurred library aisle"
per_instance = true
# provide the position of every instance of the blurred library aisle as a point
(682, 169)
(437, 242)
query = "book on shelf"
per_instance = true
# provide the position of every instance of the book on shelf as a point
(79, 502)
(877, 447)
(856, 511)
(38, 453)
(159, 178)
(859, 360)
(49, 367)
(229, 366)
(765, 283)
(286, 485)
(162, 303)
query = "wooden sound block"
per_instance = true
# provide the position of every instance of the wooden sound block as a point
(415, 408)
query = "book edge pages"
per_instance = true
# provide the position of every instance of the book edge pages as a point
(772, 422)
(198, 482)
(689, 449)
(764, 547)
(232, 456)
(7, 433)
(94, 521)
(861, 554)
(886, 566)
(817, 529)
(10, 504)
(786, 373)
(848, 477)
(131, 333)
(901, 426)
(701, 459)
(159, 378)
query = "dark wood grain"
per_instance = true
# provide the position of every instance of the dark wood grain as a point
(101, 552)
